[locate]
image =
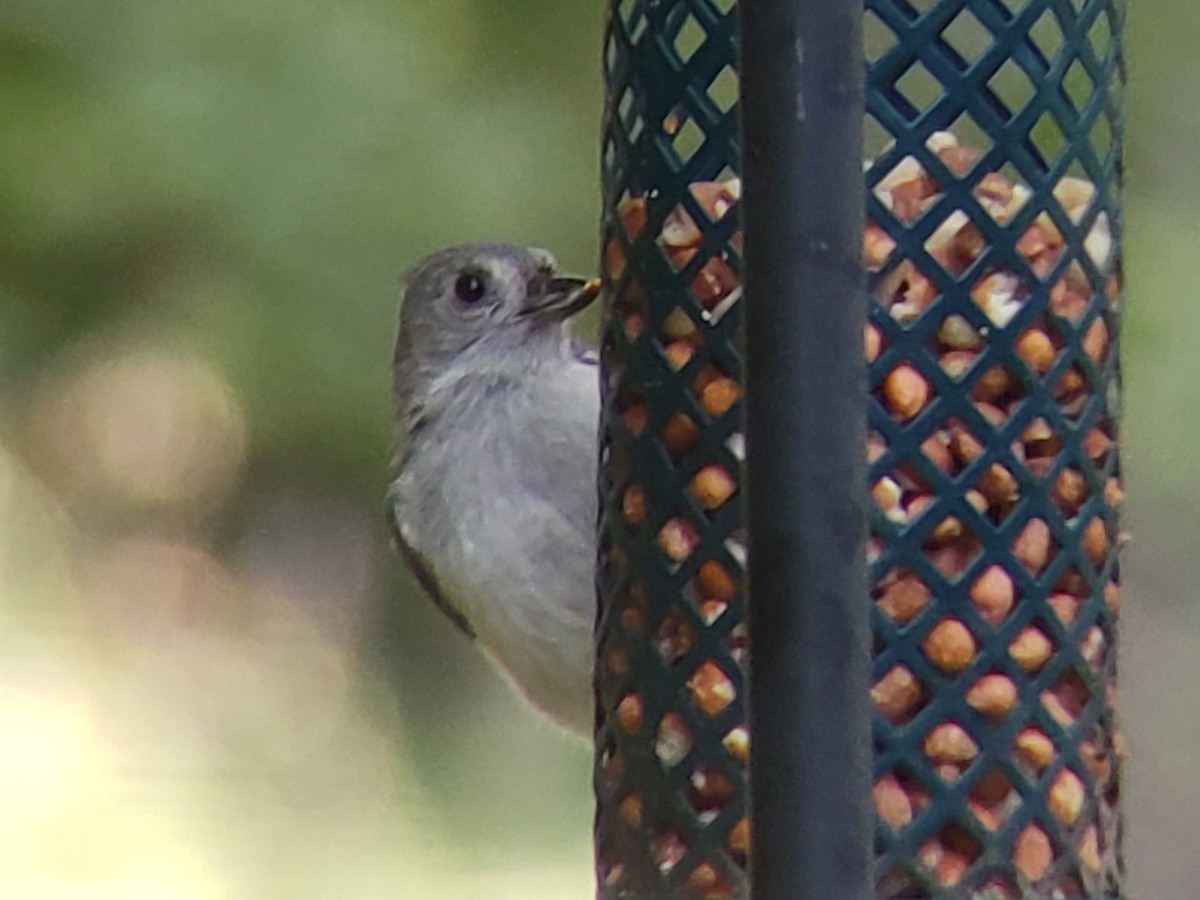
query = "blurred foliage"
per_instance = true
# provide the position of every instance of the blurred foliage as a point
(214, 679)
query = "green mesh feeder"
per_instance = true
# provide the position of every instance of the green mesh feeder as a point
(991, 264)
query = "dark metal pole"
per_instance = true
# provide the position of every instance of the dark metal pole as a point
(802, 125)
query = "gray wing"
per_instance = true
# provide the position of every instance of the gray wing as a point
(425, 578)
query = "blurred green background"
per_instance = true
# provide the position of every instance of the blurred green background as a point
(215, 680)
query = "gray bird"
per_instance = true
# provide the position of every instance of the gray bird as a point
(493, 505)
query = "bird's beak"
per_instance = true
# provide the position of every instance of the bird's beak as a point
(560, 298)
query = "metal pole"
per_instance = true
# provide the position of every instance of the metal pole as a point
(802, 125)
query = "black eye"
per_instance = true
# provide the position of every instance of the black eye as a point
(469, 288)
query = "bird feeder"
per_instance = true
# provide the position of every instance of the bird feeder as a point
(986, 335)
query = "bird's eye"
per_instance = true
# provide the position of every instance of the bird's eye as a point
(469, 288)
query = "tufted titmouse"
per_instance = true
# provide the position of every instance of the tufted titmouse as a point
(493, 505)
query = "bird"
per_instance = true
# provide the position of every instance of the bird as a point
(493, 500)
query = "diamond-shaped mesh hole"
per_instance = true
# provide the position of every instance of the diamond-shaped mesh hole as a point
(955, 243)
(901, 595)
(714, 582)
(1002, 194)
(630, 713)
(737, 744)
(919, 88)
(1033, 751)
(1066, 797)
(717, 394)
(625, 106)
(950, 646)
(1100, 36)
(689, 39)
(631, 810)
(1047, 35)
(611, 57)
(1034, 546)
(687, 140)
(998, 385)
(905, 392)
(1040, 444)
(669, 849)
(964, 445)
(723, 90)
(993, 800)
(993, 594)
(1101, 138)
(1071, 295)
(1095, 542)
(893, 802)
(898, 695)
(678, 352)
(1072, 582)
(1012, 87)
(994, 696)
(911, 485)
(1065, 607)
(713, 486)
(876, 138)
(1077, 85)
(676, 636)
(678, 326)
(967, 35)
(636, 128)
(680, 435)
(878, 39)
(1032, 648)
(949, 854)
(1001, 489)
(889, 497)
(707, 883)
(616, 661)
(633, 505)
(905, 292)
(1033, 853)
(612, 769)
(710, 689)
(678, 539)
(708, 791)
(971, 137)
(633, 609)
(1093, 649)
(954, 558)
(907, 189)
(956, 334)
(674, 740)
(738, 646)
(1098, 753)
(1071, 390)
(1047, 136)
(1066, 698)
(878, 247)
(739, 841)
(1070, 491)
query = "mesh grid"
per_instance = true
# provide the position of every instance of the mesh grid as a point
(672, 749)
(994, 277)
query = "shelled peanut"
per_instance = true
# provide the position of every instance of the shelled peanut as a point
(989, 361)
